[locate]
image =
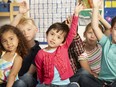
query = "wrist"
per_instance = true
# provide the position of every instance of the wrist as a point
(75, 14)
(21, 13)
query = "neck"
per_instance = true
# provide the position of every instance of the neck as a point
(50, 48)
(31, 43)
(10, 52)
(89, 47)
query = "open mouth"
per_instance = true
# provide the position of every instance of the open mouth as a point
(52, 42)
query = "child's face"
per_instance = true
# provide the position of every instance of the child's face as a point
(90, 36)
(55, 38)
(29, 31)
(9, 41)
(113, 32)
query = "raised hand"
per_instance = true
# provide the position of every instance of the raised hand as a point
(97, 3)
(23, 8)
(68, 21)
(78, 8)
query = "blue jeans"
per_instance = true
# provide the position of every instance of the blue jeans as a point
(73, 84)
(87, 80)
(76, 76)
(26, 80)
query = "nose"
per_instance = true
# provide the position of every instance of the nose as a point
(8, 42)
(53, 38)
(93, 35)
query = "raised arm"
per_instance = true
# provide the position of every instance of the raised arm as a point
(95, 20)
(22, 10)
(73, 28)
(104, 22)
(106, 25)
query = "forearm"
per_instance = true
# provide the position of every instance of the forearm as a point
(11, 80)
(32, 69)
(95, 23)
(16, 19)
(95, 18)
(84, 64)
(105, 23)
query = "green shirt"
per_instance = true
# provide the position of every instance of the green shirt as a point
(108, 61)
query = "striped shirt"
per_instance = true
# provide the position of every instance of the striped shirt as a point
(93, 57)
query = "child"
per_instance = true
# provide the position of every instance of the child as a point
(52, 62)
(27, 72)
(90, 60)
(107, 73)
(13, 46)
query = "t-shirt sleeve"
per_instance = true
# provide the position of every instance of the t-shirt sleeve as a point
(103, 40)
(83, 56)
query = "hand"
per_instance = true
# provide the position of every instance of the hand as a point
(94, 74)
(78, 8)
(23, 8)
(97, 3)
(99, 15)
(68, 21)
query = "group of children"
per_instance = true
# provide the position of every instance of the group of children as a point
(24, 64)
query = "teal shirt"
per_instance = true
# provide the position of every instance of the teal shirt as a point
(108, 61)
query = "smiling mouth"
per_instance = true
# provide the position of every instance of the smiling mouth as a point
(10, 47)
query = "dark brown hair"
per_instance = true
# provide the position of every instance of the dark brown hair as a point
(23, 47)
(113, 21)
(59, 27)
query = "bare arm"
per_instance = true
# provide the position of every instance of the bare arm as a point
(84, 64)
(32, 69)
(22, 10)
(14, 71)
(95, 20)
(78, 8)
(83, 60)
(104, 22)
(106, 25)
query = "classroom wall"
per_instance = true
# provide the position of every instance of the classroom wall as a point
(6, 20)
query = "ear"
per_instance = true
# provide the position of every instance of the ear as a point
(110, 30)
(36, 29)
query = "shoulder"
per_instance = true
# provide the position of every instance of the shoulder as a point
(105, 40)
(40, 52)
(18, 58)
(36, 46)
(83, 56)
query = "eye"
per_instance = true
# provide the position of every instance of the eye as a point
(11, 38)
(59, 37)
(4, 41)
(28, 29)
(52, 33)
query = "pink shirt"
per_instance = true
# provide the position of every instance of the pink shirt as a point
(45, 61)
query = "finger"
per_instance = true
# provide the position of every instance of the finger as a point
(77, 2)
